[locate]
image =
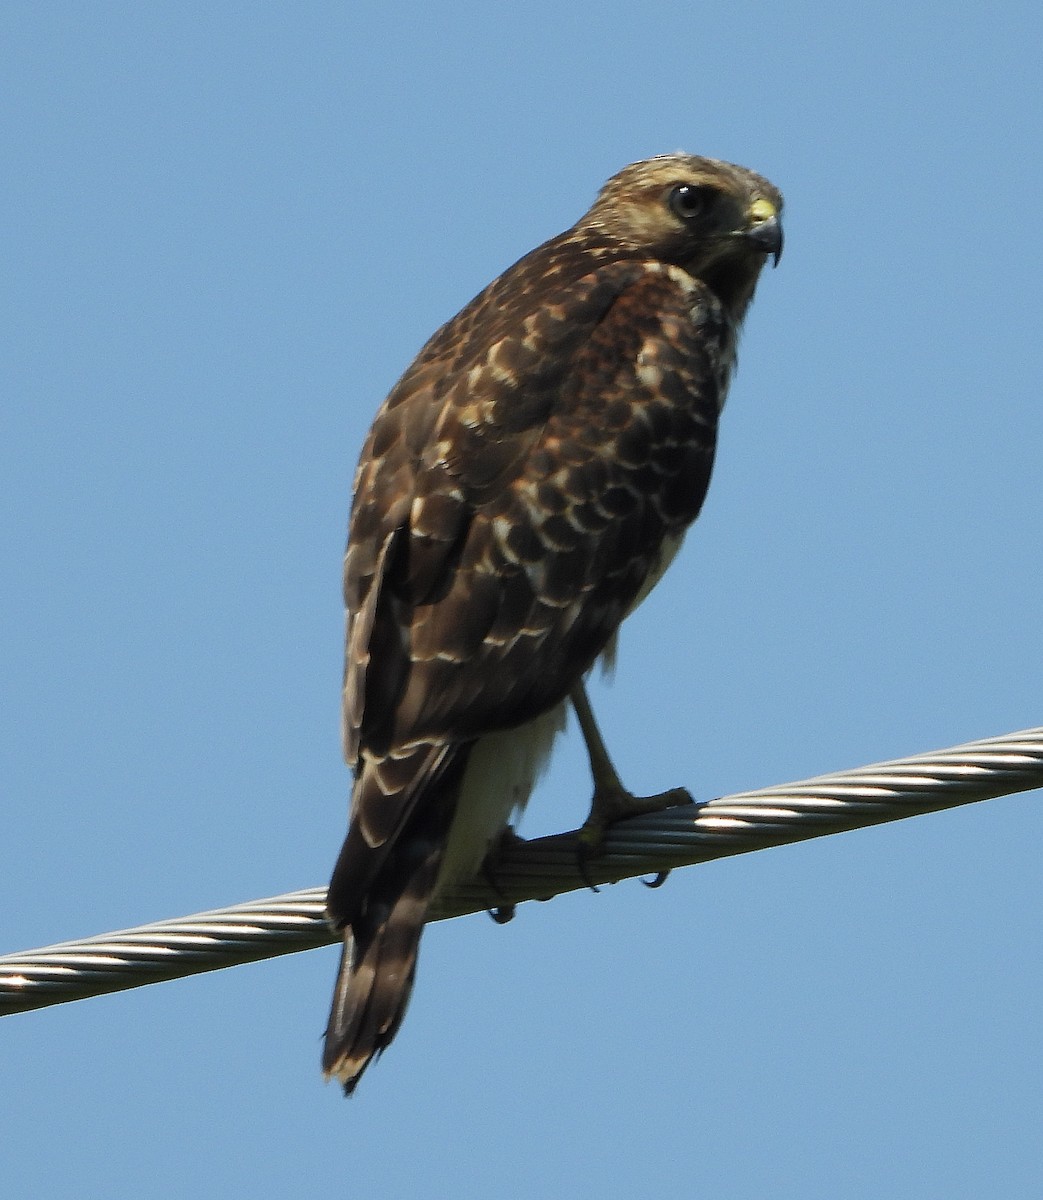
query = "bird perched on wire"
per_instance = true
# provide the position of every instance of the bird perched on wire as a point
(521, 490)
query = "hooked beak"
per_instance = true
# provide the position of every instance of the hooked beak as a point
(766, 235)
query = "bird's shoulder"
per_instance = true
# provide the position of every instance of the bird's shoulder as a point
(532, 315)
(523, 347)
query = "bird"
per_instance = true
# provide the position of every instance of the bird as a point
(520, 491)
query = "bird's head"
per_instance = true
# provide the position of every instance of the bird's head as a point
(717, 221)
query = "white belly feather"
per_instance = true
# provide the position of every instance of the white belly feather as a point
(500, 775)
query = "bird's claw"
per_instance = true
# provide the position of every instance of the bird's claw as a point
(607, 808)
(657, 880)
(502, 913)
(588, 846)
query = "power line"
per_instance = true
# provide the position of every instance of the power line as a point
(541, 868)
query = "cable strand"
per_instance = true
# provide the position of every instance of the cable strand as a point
(540, 868)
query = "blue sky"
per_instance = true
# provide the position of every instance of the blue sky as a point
(228, 229)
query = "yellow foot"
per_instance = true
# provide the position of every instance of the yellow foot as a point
(616, 804)
(609, 807)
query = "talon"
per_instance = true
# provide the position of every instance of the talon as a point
(612, 801)
(585, 851)
(491, 861)
(590, 839)
(610, 807)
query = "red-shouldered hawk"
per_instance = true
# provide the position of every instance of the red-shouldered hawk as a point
(521, 490)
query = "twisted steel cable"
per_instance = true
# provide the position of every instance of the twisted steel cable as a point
(541, 868)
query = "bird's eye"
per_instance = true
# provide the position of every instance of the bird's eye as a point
(689, 200)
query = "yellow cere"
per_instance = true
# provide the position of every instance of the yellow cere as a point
(762, 210)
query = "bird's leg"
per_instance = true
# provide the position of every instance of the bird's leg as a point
(508, 838)
(612, 801)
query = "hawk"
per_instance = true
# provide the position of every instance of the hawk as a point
(521, 490)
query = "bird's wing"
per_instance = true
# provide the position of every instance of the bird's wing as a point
(513, 496)
(511, 500)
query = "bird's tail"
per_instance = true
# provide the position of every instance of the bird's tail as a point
(380, 906)
(377, 966)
